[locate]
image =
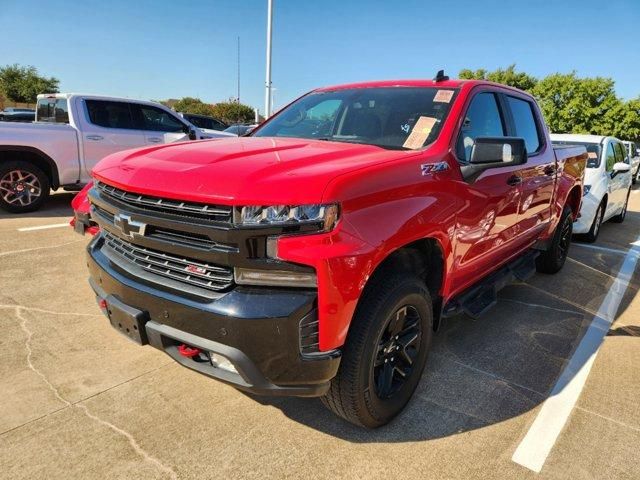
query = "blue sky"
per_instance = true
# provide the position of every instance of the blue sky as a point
(170, 49)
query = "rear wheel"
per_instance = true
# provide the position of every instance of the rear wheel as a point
(385, 353)
(621, 216)
(552, 260)
(23, 187)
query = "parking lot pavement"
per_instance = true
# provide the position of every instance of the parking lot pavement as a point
(80, 401)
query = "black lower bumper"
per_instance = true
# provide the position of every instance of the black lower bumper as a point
(256, 329)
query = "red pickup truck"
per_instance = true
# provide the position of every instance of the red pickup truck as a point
(317, 256)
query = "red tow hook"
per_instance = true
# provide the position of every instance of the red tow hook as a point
(187, 351)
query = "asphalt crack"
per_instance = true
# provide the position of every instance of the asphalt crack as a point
(132, 441)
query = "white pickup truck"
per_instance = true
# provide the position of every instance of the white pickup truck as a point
(71, 134)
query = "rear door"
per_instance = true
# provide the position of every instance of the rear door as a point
(610, 160)
(159, 125)
(621, 181)
(486, 226)
(109, 128)
(539, 173)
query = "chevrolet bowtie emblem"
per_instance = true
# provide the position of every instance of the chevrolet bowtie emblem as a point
(129, 227)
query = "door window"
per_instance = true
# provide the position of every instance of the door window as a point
(525, 123)
(611, 157)
(483, 119)
(620, 155)
(110, 114)
(157, 120)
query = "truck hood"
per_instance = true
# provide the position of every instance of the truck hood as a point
(246, 170)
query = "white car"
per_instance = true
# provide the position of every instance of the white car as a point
(71, 134)
(607, 182)
(209, 127)
(633, 153)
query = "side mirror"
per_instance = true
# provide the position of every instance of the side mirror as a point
(620, 167)
(192, 134)
(494, 152)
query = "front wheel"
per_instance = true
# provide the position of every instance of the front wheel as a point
(385, 352)
(23, 187)
(552, 260)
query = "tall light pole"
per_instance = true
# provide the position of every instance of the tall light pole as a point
(267, 94)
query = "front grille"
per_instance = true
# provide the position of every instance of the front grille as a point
(187, 239)
(185, 271)
(217, 213)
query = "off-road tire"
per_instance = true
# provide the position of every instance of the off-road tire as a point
(8, 201)
(552, 260)
(353, 394)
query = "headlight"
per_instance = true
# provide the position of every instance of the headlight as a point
(586, 190)
(326, 215)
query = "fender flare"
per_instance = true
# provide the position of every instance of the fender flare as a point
(53, 168)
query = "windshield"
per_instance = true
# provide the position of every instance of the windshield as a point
(388, 117)
(593, 150)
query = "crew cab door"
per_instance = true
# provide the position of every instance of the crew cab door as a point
(160, 126)
(539, 173)
(621, 181)
(487, 224)
(109, 128)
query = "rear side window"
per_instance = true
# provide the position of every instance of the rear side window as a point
(53, 110)
(525, 123)
(110, 114)
(483, 119)
(157, 120)
(611, 157)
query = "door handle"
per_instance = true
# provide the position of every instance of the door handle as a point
(95, 137)
(154, 140)
(514, 180)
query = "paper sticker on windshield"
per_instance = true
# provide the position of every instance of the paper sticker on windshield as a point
(443, 96)
(420, 133)
(593, 155)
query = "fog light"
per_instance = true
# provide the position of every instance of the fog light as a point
(223, 363)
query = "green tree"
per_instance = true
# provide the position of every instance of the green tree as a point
(23, 84)
(193, 105)
(233, 112)
(506, 76)
(579, 105)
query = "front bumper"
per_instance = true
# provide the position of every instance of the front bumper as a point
(258, 329)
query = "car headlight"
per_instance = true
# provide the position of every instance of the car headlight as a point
(324, 215)
(586, 190)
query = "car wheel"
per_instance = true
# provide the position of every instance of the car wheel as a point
(621, 216)
(385, 352)
(23, 187)
(592, 235)
(552, 260)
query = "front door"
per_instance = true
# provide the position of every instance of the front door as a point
(160, 126)
(487, 224)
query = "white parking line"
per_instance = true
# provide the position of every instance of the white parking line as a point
(603, 249)
(552, 417)
(43, 227)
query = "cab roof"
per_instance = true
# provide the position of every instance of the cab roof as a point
(453, 83)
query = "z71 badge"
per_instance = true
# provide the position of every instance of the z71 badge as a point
(428, 168)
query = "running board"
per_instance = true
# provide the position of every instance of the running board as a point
(479, 298)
